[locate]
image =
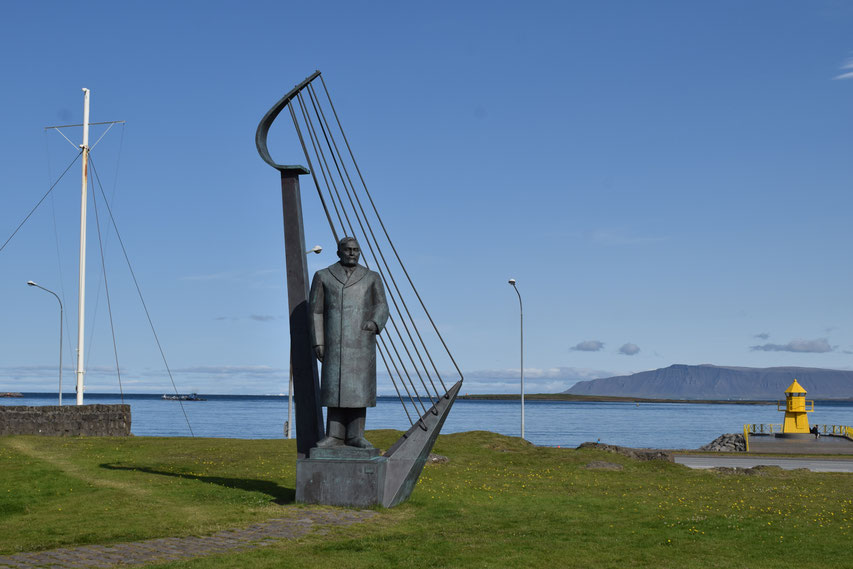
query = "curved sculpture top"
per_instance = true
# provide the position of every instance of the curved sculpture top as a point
(269, 118)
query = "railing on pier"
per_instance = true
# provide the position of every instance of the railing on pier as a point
(763, 428)
(837, 430)
(786, 406)
(772, 428)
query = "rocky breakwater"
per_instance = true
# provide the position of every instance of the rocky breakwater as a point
(730, 442)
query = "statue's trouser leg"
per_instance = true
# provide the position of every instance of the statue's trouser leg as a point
(336, 429)
(336, 421)
(355, 427)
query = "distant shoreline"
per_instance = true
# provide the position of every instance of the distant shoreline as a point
(608, 398)
(468, 396)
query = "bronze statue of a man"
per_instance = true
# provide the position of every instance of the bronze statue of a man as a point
(348, 310)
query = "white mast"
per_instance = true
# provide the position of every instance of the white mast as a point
(81, 299)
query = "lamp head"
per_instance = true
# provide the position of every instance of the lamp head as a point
(31, 283)
(512, 282)
(316, 249)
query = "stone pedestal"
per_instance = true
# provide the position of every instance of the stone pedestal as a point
(356, 480)
(349, 476)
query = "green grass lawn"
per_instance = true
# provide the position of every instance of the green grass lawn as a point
(498, 502)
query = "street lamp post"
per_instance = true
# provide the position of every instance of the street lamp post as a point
(288, 426)
(31, 283)
(521, 320)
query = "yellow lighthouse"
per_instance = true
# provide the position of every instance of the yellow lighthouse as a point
(796, 409)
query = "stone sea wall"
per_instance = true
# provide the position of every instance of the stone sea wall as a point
(66, 421)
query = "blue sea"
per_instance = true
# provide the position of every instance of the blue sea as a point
(548, 423)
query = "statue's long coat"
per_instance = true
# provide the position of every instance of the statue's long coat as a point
(339, 308)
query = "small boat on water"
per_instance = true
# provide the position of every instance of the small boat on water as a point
(11, 394)
(190, 397)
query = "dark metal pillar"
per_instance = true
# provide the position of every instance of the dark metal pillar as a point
(306, 383)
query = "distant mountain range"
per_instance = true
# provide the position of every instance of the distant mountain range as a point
(719, 382)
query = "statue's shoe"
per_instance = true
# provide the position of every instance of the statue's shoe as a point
(329, 442)
(359, 442)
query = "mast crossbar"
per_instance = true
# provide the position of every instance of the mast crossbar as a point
(90, 124)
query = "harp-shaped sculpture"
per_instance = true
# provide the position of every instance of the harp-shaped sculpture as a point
(405, 350)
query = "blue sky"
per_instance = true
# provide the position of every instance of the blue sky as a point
(669, 182)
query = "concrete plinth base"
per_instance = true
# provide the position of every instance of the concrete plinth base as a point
(354, 482)
(348, 476)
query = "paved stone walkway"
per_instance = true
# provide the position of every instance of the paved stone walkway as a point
(813, 464)
(174, 548)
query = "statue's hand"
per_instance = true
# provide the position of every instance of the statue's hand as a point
(370, 326)
(318, 351)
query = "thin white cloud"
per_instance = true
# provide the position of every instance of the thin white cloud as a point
(273, 380)
(255, 317)
(618, 237)
(588, 346)
(37, 371)
(511, 385)
(102, 379)
(261, 317)
(819, 346)
(234, 371)
(536, 380)
(239, 276)
(562, 373)
(846, 65)
(629, 349)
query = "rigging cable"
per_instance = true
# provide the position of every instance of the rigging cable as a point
(333, 182)
(142, 300)
(321, 162)
(58, 249)
(374, 255)
(323, 172)
(40, 201)
(65, 137)
(311, 169)
(390, 242)
(107, 290)
(397, 389)
(90, 345)
(322, 117)
(388, 338)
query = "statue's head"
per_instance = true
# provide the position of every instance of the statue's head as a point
(348, 251)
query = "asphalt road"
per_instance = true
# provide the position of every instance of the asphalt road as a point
(813, 464)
